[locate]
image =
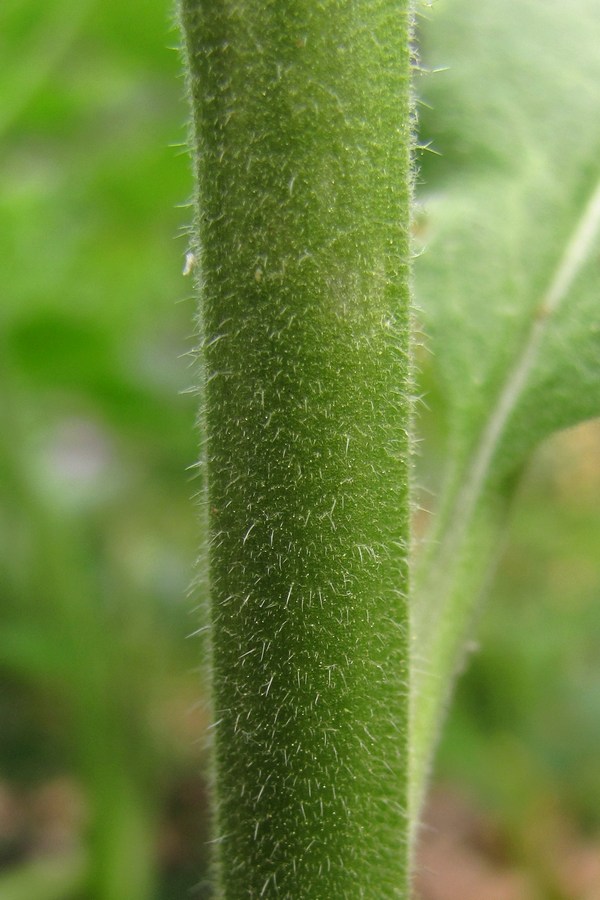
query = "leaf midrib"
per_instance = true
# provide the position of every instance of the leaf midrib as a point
(577, 252)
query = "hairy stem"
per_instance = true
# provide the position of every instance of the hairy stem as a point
(301, 140)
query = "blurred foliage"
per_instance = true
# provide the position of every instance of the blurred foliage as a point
(97, 441)
(98, 531)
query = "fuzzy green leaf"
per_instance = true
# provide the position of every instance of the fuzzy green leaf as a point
(508, 284)
(510, 279)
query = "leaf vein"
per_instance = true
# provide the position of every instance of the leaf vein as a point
(577, 252)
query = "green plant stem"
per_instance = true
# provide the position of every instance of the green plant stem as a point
(301, 141)
(447, 600)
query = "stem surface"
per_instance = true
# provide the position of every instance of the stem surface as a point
(301, 142)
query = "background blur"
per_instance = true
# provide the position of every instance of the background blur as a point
(102, 793)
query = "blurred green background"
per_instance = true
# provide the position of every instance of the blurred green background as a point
(101, 733)
(102, 726)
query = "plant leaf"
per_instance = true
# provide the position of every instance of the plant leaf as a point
(508, 283)
(510, 279)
